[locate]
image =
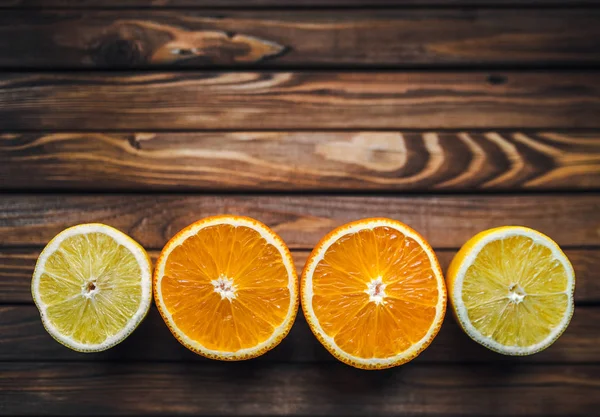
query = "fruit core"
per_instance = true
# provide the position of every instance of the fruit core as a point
(224, 287)
(376, 291)
(89, 288)
(516, 293)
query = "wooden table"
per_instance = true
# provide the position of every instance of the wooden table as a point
(450, 115)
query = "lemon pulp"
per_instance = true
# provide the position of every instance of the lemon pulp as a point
(90, 289)
(516, 292)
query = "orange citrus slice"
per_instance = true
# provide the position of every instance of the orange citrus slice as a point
(226, 287)
(373, 293)
(511, 289)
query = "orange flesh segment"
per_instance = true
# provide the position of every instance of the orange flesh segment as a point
(345, 311)
(258, 277)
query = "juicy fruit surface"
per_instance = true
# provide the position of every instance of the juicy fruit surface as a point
(516, 292)
(226, 288)
(90, 287)
(375, 293)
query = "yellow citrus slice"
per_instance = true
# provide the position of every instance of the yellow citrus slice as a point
(226, 287)
(511, 289)
(373, 293)
(92, 285)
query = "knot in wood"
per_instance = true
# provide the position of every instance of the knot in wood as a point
(118, 52)
(496, 79)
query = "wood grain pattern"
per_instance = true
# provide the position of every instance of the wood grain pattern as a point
(301, 220)
(298, 100)
(333, 389)
(304, 114)
(25, 339)
(141, 4)
(192, 38)
(301, 160)
(17, 265)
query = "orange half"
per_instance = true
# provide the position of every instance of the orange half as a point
(227, 288)
(373, 293)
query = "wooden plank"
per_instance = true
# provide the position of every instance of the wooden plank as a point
(298, 100)
(447, 221)
(157, 4)
(398, 38)
(17, 265)
(25, 339)
(284, 161)
(336, 389)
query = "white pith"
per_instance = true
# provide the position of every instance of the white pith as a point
(307, 294)
(376, 291)
(145, 282)
(514, 295)
(224, 287)
(265, 234)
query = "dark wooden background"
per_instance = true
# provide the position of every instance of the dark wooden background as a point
(450, 115)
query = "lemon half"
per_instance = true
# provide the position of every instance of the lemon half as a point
(511, 289)
(92, 285)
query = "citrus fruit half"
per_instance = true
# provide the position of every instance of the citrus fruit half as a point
(511, 289)
(93, 286)
(226, 287)
(373, 293)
